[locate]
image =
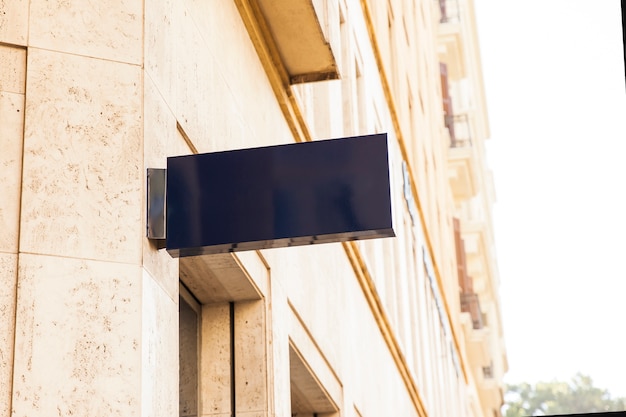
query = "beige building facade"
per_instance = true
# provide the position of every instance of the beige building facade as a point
(96, 319)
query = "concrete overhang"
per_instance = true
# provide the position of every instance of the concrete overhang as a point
(299, 36)
(218, 278)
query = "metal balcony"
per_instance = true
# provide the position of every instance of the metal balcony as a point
(449, 11)
(460, 130)
(303, 34)
(488, 372)
(470, 304)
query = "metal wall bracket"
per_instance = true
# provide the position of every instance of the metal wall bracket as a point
(156, 215)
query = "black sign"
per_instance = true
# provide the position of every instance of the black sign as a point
(286, 195)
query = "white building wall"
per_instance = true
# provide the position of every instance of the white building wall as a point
(93, 95)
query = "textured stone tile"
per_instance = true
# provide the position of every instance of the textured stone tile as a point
(218, 73)
(161, 267)
(11, 138)
(278, 349)
(160, 46)
(200, 87)
(240, 81)
(254, 266)
(223, 33)
(228, 129)
(194, 80)
(215, 375)
(253, 414)
(159, 344)
(251, 363)
(160, 139)
(78, 338)
(110, 30)
(83, 173)
(13, 65)
(329, 267)
(8, 283)
(14, 21)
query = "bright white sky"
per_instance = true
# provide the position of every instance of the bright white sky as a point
(554, 74)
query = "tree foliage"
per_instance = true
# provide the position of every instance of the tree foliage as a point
(579, 395)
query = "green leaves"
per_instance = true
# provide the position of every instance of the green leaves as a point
(558, 397)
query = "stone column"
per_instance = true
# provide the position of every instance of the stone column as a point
(78, 348)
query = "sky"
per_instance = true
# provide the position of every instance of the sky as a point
(554, 79)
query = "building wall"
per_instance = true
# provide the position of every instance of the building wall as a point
(12, 83)
(93, 95)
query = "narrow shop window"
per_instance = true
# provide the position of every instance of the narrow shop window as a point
(188, 353)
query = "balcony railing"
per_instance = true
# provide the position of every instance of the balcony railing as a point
(470, 304)
(460, 130)
(488, 372)
(449, 11)
(458, 125)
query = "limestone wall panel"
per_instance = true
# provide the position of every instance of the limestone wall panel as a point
(12, 80)
(8, 283)
(160, 141)
(197, 85)
(11, 139)
(278, 350)
(110, 29)
(78, 338)
(14, 22)
(222, 96)
(202, 62)
(13, 64)
(250, 358)
(254, 266)
(312, 274)
(83, 171)
(244, 80)
(357, 366)
(160, 46)
(252, 414)
(215, 370)
(159, 344)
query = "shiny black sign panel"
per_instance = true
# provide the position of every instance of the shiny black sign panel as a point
(297, 194)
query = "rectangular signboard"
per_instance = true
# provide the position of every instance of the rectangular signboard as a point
(285, 195)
